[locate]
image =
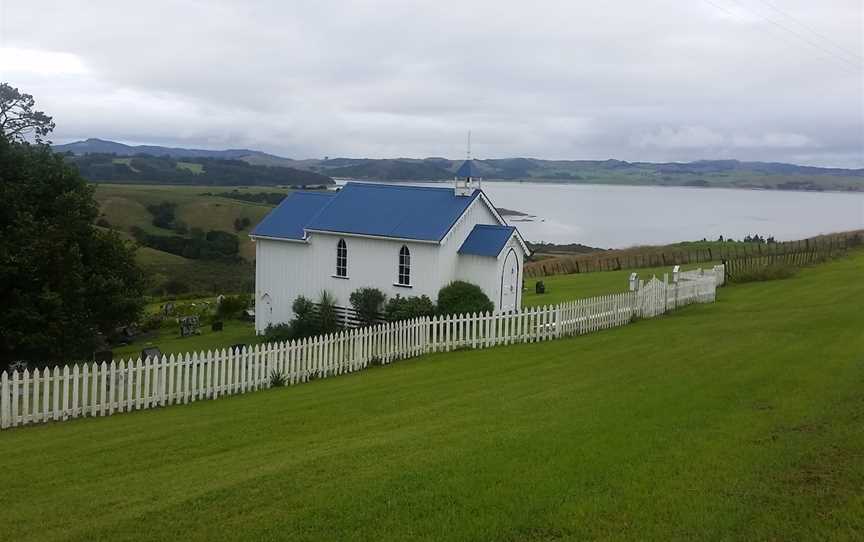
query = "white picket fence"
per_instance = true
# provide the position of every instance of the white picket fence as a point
(718, 272)
(91, 389)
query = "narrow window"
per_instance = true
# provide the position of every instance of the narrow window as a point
(404, 266)
(341, 259)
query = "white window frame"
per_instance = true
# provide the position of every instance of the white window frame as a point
(403, 270)
(341, 259)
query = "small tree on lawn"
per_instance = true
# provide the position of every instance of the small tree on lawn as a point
(367, 302)
(328, 320)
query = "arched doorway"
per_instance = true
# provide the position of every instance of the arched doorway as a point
(510, 282)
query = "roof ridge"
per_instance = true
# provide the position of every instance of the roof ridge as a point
(502, 226)
(400, 186)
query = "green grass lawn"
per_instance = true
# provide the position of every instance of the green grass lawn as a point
(561, 288)
(169, 340)
(742, 420)
(191, 166)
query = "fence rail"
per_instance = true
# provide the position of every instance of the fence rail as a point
(563, 264)
(104, 389)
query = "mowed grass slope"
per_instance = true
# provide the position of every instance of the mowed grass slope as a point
(740, 420)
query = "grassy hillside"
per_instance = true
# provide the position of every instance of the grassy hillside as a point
(738, 420)
(125, 206)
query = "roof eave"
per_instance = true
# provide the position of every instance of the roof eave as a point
(255, 237)
(371, 236)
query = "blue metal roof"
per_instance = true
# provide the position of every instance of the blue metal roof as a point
(288, 220)
(468, 169)
(486, 240)
(385, 210)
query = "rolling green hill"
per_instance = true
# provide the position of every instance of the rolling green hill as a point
(702, 173)
(739, 420)
(124, 207)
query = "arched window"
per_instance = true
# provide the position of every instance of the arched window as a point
(404, 266)
(341, 258)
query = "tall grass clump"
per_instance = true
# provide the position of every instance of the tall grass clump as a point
(776, 271)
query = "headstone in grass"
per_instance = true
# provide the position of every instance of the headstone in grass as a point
(216, 326)
(151, 352)
(540, 287)
(190, 325)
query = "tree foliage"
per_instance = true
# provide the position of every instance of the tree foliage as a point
(63, 281)
(18, 119)
(460, 297)
(367, 302)
(328, 320)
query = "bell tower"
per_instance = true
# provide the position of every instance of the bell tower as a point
(467, 177)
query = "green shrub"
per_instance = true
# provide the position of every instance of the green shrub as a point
(367, 302)
(277, 379)
(232, 306)
(328, 320)
(305, 322)
(775, 271)
(278, 333)
(460, 297)
(151, 322)
(406, 308)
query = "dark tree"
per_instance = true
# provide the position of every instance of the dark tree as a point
(18, 119)
(63, 281)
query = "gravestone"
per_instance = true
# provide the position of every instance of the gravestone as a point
(168, 309)
(151, 352)
(18, 365)
(216, 326)
(190, 325)
(219, 299)
(540, 287)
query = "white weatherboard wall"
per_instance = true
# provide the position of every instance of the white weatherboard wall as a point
(287, 269)
(105, 389)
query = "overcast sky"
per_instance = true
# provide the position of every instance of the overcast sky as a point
(651, 80)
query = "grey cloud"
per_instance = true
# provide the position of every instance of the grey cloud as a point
(632, 80)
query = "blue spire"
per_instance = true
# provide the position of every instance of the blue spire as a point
(468, 169)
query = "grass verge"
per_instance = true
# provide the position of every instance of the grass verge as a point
(738, 420)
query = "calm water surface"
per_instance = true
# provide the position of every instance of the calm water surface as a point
(621, 216)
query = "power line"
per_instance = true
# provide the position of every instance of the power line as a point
(856, 65)
(857, 57)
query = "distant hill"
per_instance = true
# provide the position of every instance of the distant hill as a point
(144, 168)
(102, 146)
(386, 170)
(701, 173)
